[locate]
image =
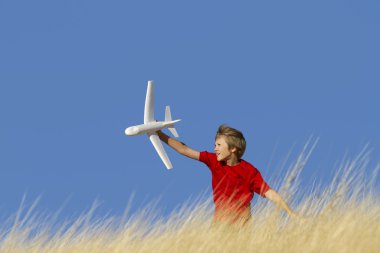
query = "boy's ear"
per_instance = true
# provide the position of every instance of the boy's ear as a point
(233, 150)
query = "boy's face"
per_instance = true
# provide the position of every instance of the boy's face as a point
(223, 153)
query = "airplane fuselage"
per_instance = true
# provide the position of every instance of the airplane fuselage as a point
(148, 127)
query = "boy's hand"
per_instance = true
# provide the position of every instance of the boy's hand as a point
(297, 217)
(276, 198)
(178, 146)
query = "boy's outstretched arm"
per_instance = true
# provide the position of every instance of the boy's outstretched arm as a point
(276, 198)
(178, 146)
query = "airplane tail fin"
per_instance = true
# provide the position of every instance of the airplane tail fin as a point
(168, 117)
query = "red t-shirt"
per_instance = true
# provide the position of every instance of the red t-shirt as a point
(233, 186)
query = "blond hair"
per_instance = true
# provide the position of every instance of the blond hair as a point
(234, 139)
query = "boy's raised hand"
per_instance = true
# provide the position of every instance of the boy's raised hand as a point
(178, 146)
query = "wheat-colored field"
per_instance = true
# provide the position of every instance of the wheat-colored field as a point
(344, 216)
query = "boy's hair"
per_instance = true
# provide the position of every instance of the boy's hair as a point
(234, 139)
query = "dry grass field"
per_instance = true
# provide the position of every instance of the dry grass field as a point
(344, 216)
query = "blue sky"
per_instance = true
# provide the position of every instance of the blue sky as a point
(73, 76)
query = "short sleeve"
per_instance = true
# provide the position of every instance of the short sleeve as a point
(208, 158)
(204, 158)
(258, 185)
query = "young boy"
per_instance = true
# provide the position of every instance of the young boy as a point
(234, 180)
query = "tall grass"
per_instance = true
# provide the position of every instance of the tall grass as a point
(342, 216)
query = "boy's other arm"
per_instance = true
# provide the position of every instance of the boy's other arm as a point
(276, 198)
(178, 146)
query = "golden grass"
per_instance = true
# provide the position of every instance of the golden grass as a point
(342, 217)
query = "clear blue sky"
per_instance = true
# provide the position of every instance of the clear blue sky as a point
(73, 76)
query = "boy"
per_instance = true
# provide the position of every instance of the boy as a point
(234, 181)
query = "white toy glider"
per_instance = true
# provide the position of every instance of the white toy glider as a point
(151, 126)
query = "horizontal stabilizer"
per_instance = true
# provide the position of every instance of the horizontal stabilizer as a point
(168, 117)
(173, 131)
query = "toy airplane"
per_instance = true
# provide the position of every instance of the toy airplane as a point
(151, 126)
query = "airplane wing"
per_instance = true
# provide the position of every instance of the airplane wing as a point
(160, 150)
(149, 105)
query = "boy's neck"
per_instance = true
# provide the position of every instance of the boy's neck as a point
(233, 161)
